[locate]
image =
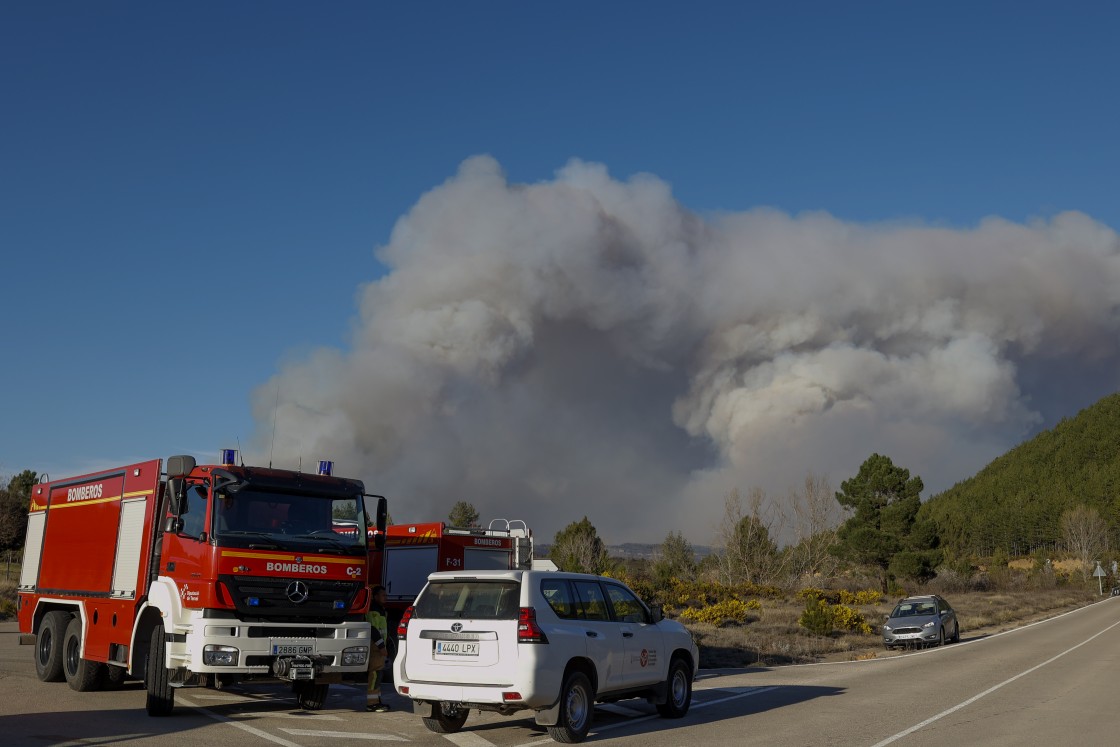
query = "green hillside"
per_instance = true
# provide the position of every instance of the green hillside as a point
(1015, 503)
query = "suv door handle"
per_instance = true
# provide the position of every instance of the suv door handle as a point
(591, 634)
(627, 634)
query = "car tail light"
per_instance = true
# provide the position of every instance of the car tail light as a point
(527, 629)
(402, 626)
(511, 696)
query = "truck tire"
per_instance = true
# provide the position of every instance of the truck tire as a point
(48, 646)
(679, 690)
(445, 721)
(577, 704)
(311, 696)
(81, 674)
(161, 696)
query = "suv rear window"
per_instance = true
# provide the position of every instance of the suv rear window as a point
(479, 600)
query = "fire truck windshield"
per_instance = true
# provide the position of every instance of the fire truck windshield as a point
(289, 520)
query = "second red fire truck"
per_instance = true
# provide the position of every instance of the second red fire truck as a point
(199, 575)
(412, 551)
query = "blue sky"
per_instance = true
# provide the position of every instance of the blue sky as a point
(192, 195)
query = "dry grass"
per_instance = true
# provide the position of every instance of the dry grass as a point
(8, 598)
(773, 636)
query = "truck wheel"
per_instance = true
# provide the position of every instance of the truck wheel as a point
(446, 721)
(577, 703)
(81, 674)
(48, 646)
(679, 690)
(311, 696)
(161, 697)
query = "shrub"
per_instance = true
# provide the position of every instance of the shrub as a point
(823, 618)
(865, 596)
(816, 618)
(731, 610)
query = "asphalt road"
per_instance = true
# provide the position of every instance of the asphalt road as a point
(1051, 683)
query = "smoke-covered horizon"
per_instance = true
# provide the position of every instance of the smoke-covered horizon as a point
(589, 346)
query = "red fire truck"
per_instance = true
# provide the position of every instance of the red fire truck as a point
(201, 576)
(412, 551)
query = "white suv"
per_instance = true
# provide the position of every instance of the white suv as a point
(551, 642)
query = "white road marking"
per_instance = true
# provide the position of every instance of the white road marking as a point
(381, 737)
(989, 691)
(286, 714)
(468, 739)
(244, 727)
(736, 693)
(746, 693)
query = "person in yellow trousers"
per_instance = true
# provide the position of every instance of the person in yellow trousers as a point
(378, 653)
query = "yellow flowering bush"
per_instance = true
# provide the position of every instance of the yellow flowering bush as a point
(730, 610)
(822, 618)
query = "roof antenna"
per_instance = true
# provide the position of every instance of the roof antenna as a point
(240, 453)
(275, 415)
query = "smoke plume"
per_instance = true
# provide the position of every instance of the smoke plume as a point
(588, 346)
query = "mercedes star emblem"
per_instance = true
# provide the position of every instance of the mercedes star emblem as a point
(297, 592)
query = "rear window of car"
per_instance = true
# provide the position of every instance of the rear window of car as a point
(478, 600)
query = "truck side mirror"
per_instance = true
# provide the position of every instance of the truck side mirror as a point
(656, 613)
(175, 495)
(381, 521)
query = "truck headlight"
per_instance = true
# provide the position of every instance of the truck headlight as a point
(219, 656)
(355, 656)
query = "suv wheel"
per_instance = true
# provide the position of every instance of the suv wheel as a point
(445, 719)
(577, 701)
(678, 690)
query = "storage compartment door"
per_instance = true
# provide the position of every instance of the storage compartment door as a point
(407, 569)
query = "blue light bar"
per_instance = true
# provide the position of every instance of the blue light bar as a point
(229, 456)
(253, 601)
(326, 467)
(339, 604)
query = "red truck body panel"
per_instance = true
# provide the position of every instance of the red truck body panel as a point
(77, 514)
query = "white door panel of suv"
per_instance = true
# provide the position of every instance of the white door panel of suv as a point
(642, 664)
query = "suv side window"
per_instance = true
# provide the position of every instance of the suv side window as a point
(627, 607)
(558, 594)
(593, 605)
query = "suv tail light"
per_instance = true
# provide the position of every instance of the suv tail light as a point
(402, 626)
(527, 629)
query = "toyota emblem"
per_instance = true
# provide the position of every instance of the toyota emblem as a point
(455, 628)
(297, 592)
